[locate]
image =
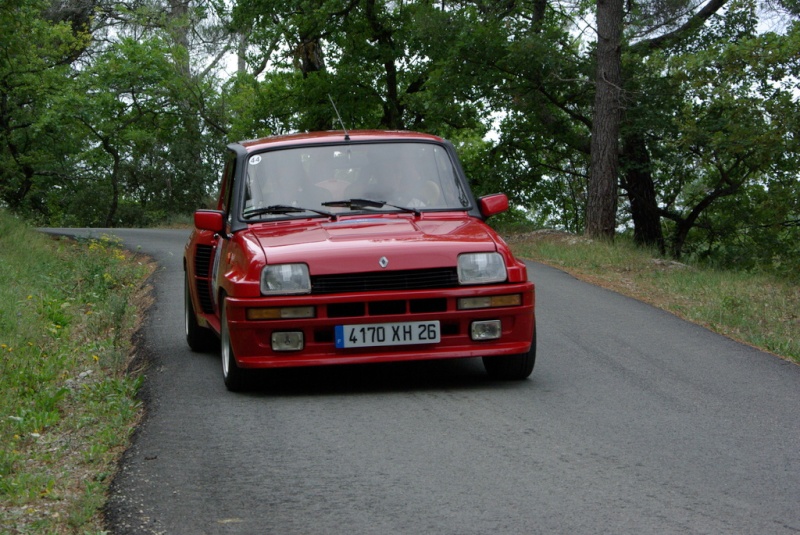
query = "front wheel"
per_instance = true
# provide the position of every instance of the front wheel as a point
(512, 367)
(235, 377)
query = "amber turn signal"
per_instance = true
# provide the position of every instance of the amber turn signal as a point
(279, 313)
(489, 301)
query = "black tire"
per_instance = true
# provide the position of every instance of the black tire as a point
(512, 367)
(199, 338)
(236, 379)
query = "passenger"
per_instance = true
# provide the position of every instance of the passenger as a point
(412, 188)
(393, 176)
(289, 185)
(323, 176)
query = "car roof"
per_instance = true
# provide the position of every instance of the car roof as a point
(335, 136)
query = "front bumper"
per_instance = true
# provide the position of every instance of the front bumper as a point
(252, 340)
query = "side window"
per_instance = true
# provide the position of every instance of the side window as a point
(227, 185)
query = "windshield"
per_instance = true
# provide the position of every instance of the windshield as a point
(417, 176)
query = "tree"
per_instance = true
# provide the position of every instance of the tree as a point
(737, 125)
(601, 211)
(143, 151)
(651, 98)
(35, 58)
(77, 142)
(521, 63)
(375, 59)
(122, 94)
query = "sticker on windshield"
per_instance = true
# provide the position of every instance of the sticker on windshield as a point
(255, 160)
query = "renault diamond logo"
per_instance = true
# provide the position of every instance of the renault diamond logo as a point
(383, 262)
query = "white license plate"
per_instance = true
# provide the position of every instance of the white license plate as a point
(387, 334)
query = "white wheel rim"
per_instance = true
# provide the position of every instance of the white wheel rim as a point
(226, 346)
(186, 301)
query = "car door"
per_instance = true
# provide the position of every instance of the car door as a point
(219, 242)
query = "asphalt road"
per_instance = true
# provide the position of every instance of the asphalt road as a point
(632, 422)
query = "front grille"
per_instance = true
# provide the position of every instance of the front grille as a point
(423, 279)
(387, 308)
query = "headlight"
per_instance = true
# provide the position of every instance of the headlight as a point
(285, 279)
(481, 268)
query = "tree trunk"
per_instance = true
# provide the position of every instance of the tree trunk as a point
(601, 211)
(116, 159)
(642, 193)
(179, 27)
(310, 60)
(392, 109)
(309, 55)
(241, 52)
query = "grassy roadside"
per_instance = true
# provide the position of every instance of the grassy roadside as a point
(67, 396)
(759, 310)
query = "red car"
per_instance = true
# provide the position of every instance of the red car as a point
(340, 248)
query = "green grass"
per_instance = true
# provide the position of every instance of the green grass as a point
(757, 309)
(67, 397)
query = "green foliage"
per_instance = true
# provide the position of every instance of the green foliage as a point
(35, 56)
(730, 156)
(146, 155)
(118, 140)
(379, 62)
(530, 79)
(758, 231)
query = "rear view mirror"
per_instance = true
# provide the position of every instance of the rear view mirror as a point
(212, 220)
(494, 204)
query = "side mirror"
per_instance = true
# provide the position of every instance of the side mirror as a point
(213, 220)
(494, 204)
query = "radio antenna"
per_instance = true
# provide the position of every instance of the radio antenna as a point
(346, 135)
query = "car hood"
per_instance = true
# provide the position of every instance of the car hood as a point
(357, 245)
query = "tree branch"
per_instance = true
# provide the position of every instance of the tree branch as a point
(690, 26)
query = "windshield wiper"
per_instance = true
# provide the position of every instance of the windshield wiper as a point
(284, 209)
(361, 204)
